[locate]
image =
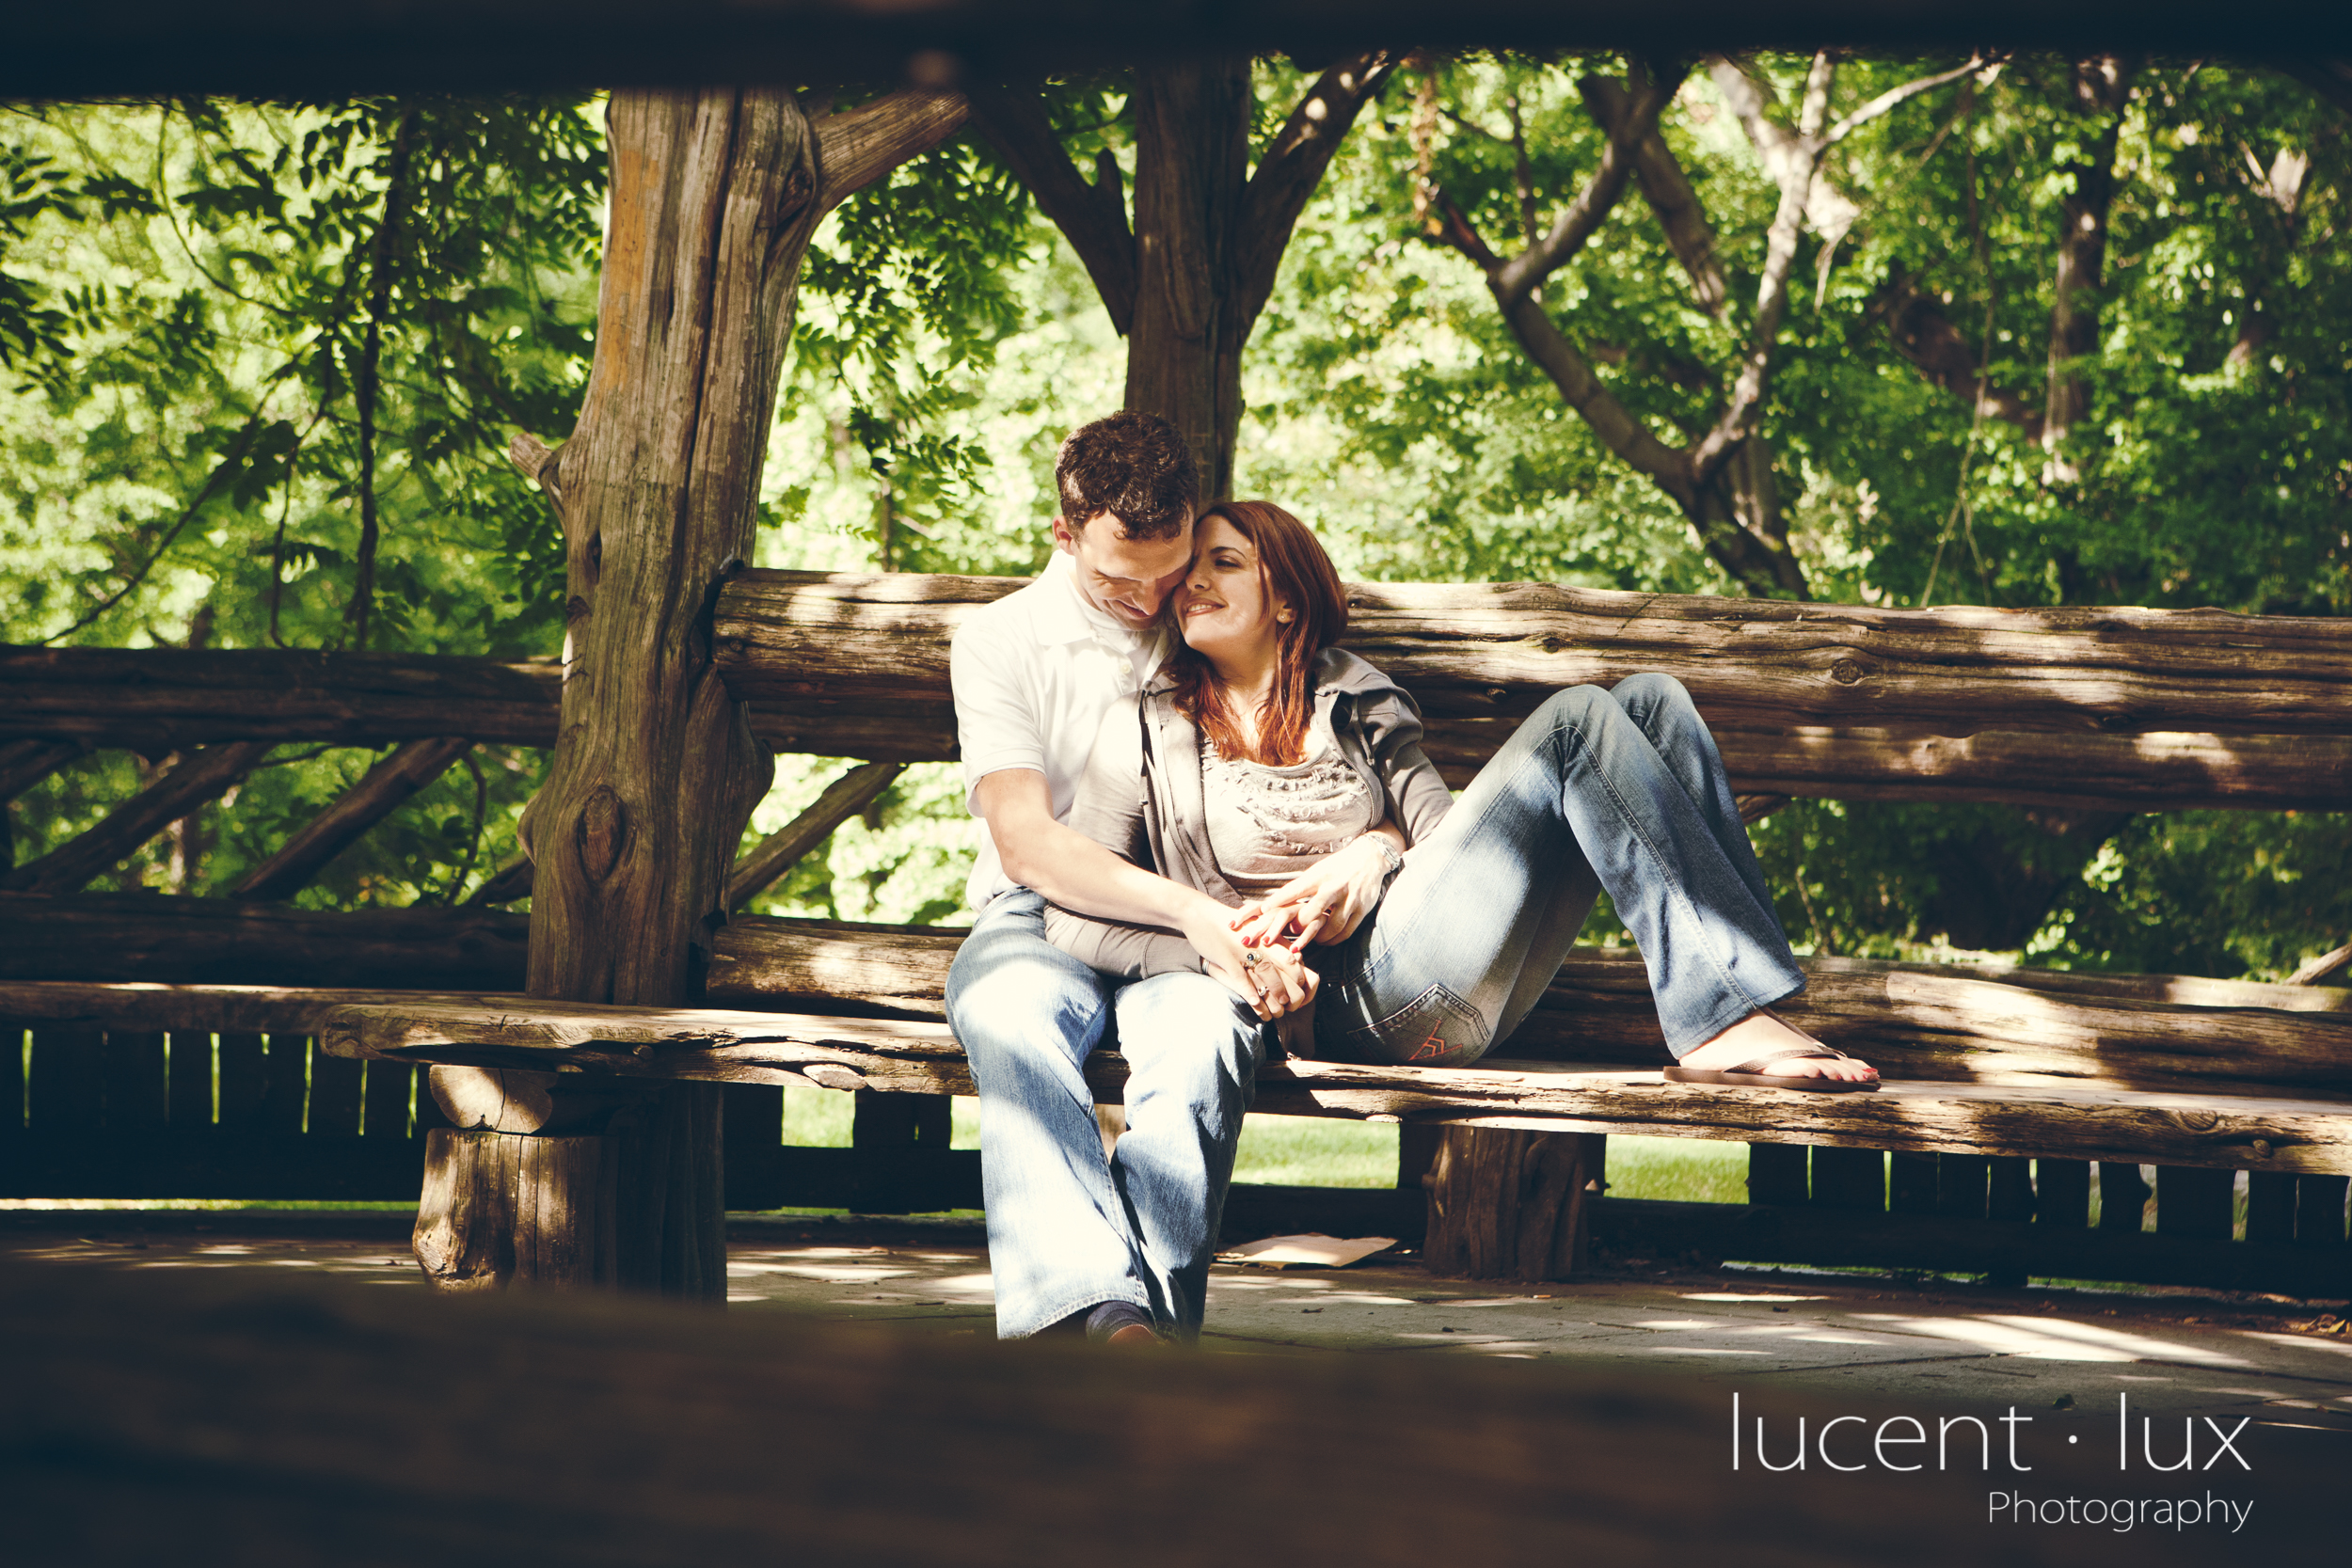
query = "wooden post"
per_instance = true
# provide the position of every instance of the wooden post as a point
(1511, 1204)
(1776, 1174)
(884, 1131)
(135, 1081)
(2063, 1192)
(2123, 1196)
(2195, 1201)
(1963, 1186)
(715, 197)
(190, 1094)
(1851, 1179)
(2319, 1210)
(2269, 1207)
(2011, 1197)
(1911, 1183)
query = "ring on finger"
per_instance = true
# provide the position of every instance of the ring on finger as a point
(1249, 957)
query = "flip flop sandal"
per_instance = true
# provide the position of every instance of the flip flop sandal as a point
(1749, 1075)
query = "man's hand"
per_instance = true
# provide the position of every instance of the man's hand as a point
(1324, 903)
(1274, 980)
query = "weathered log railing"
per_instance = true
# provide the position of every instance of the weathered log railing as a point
(2142, 709)
(2125, 708)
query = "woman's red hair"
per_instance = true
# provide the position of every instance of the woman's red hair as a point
(1293, 570)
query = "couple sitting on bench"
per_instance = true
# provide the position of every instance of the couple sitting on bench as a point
(1203, 818)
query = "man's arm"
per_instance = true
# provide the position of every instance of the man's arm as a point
(1070, 869)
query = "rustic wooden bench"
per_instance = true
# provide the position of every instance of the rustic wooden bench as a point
(2009, 1085)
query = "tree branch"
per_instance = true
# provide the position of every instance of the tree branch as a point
(1800, 161)
(1291, 168)
(1667, 190)
(859, 146)
(1921, 333)
(1520, 275)
(1092, 218)
(1618, 429)
(1783, 152)
(1894, 97)
(367, 377)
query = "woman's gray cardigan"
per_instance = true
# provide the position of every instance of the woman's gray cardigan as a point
(1141, 798)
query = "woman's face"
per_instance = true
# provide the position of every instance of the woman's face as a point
(1223, 609)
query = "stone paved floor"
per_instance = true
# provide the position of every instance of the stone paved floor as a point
(2065, 1356)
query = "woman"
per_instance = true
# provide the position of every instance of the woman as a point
(1282, 778)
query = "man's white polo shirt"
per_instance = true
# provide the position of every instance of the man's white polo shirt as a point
(1033, 673)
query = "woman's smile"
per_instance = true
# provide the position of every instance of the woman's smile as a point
(1223, 603)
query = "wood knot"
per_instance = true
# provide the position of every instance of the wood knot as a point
(1548, 645)
(600, 833)
(2198, 1121)
(576, 609)
(1845, 671)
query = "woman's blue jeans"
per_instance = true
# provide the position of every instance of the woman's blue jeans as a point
(1619, 788)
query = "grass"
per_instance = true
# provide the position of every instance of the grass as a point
(1302, 1151)
(1681, 1170)
(1330, 1152)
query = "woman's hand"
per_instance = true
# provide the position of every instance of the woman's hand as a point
(1324, 903)
(1273, 980)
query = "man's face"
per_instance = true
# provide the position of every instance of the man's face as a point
(1127, 578)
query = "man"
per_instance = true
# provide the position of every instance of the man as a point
(1114, 1244)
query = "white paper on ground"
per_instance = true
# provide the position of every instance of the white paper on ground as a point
(1313, 1250)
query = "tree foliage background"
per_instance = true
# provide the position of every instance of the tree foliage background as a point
(261, 361)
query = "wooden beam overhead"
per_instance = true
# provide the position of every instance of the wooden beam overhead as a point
(111, 47)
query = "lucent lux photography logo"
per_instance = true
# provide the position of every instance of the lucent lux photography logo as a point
(1907, 1444)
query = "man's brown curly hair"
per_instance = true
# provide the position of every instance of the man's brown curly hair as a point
(1134, 466)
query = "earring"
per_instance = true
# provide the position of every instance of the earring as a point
(1283, 616)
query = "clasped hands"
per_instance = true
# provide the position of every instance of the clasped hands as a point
(1258, 949)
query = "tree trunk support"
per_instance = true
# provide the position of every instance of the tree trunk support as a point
(1511, 1204)
(715, 196)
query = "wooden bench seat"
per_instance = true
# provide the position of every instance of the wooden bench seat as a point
(2238, 1127)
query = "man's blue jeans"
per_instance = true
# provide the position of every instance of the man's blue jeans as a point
(1068, 1227)
(1619, 788)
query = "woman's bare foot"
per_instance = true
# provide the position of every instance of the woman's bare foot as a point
(1759, 1035)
